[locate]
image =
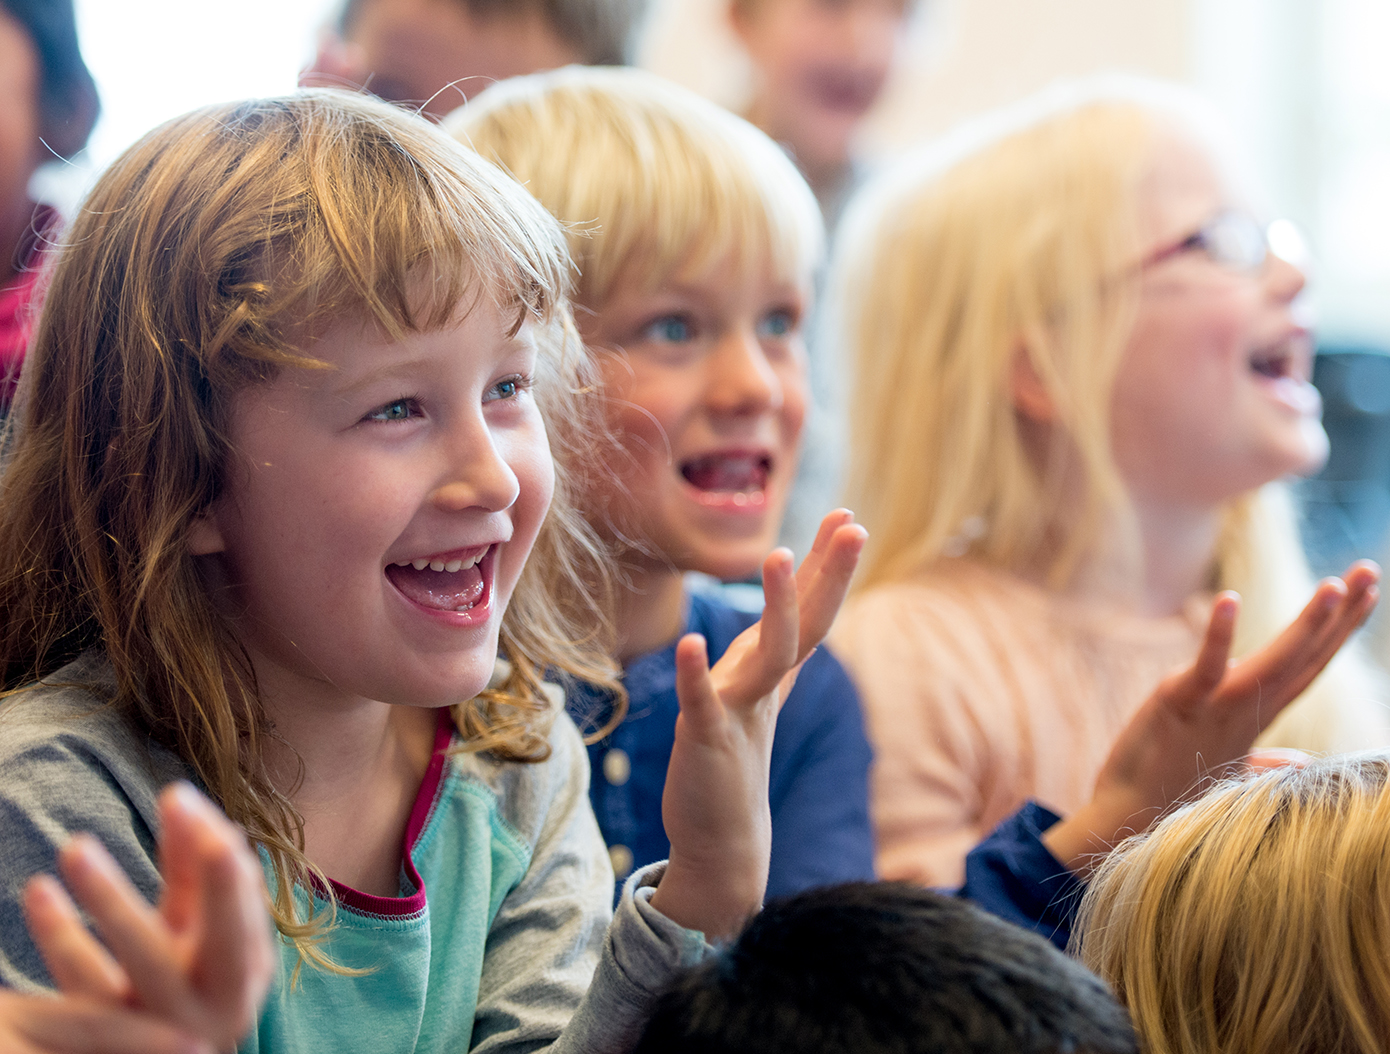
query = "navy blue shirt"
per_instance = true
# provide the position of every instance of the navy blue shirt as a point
(1012, 874)
(820, 763)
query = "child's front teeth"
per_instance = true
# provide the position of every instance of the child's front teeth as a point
(440, 565)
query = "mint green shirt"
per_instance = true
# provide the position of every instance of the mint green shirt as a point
(500, 942)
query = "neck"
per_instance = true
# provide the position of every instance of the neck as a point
(353, 770)
(826, 175)
(1176, 545)
(650, 611)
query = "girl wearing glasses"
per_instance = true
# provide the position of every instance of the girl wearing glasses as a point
(1080, 371)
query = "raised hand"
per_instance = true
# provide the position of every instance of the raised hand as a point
(42, 1024)
(201, 962)
(1203, 720)
(715, 804)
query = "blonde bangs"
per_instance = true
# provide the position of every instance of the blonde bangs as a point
(651, 181)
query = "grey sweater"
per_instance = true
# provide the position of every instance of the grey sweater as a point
(554, 973)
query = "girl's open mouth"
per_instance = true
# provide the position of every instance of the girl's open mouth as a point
(732, 478)
(455, 581)
(1283, 369)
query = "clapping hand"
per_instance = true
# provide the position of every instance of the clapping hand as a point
(715, 804)
(188, 975)
(1201, 722)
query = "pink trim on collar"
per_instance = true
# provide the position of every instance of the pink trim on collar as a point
(402, 907)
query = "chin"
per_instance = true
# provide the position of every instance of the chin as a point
(1316, 448)
(736, 563)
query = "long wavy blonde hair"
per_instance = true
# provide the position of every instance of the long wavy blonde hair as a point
(195, 258)
(1256, 919)
(1014, 237)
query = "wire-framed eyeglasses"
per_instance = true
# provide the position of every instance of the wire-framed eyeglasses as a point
(1236, 240)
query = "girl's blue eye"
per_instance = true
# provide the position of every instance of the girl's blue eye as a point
(670, 329)
(777, 324)
(399, 410)
(509, 387)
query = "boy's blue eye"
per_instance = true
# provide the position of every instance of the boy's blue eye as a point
(777, 324)
(670, 329)
(399, 410)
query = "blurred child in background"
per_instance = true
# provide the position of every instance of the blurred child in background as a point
(1078, 366)
(818, 68)
(696, 241)
(1255, 919)
(48, 105)
(434, 54)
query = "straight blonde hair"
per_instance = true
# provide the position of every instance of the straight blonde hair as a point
(650, 180)
(1257, 919)
(1018, 235)
(198, 258)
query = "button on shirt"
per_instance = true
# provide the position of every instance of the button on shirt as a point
(820, 763)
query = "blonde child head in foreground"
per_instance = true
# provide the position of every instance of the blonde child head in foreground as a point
(1255, 919)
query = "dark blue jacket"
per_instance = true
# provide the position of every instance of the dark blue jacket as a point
(820, 763)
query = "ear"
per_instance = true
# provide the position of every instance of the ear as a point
(205, 535)
(1030, 396)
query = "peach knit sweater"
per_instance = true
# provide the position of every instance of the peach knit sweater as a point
(982, 690)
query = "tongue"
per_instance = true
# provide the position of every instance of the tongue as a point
(726, 473)
(443, 590)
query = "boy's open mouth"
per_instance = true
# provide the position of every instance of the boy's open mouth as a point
(447, 582)
(728, 473)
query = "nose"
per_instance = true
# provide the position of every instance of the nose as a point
(741, 381)
(1283, 280)
(475, 474)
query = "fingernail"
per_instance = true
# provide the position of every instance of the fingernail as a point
(184, 794)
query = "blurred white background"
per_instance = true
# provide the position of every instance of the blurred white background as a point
(1304, 84)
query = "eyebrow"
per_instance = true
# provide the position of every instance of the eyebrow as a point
(405, 368)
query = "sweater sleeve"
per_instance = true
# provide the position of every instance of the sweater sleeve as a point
(819, 787)
(556, 974)
(63, 771)
(1012, 874)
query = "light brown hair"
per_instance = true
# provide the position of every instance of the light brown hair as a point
(1256, 919)
(197, 256)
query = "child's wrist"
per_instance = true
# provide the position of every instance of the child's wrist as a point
(717, 901)
(1081, 840)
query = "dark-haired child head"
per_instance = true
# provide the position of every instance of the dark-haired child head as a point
(869, 968)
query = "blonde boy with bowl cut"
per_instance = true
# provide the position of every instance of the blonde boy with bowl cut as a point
(696, 241)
